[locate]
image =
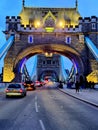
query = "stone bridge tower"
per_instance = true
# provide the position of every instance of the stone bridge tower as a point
(60, 31)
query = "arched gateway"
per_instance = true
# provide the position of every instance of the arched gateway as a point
(49, 30)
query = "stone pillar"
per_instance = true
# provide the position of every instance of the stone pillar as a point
(8, 74)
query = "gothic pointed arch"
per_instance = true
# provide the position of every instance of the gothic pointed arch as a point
(49, 20)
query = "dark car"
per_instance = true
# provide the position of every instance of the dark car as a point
(29, 85)
(15, 90)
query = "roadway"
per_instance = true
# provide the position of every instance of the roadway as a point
(47, 108)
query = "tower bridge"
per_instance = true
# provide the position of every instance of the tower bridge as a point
(60, 31)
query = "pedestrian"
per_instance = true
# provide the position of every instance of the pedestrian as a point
(86, 84)
(81, 81)
(61, 85)
(93, 84)
(77, 82)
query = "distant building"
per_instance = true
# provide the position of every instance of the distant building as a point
(48, 66)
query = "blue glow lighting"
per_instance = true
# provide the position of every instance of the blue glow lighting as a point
(21, 65)
(92, 47)
(30, 39)
(6, 46)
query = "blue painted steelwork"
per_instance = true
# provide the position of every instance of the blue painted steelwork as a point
(63, 72)
(6, 46)
(31, 64)
(34, 67)
(92, 47)
(21, 65)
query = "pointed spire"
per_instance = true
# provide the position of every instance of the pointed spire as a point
(76, 4)
(23, 3)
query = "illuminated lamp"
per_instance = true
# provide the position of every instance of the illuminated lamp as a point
(37, 24)
(48, 54)
(61, 24)
(49, 29)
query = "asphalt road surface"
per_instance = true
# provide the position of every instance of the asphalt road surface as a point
(47, 109)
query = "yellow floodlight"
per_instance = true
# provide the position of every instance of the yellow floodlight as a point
(37, 24)
(61, 24)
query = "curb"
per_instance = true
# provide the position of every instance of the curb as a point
(83, 100)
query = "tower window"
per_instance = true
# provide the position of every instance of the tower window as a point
(30, 39)
(93, 26)
(43, 62)
(53, 62)
(68, 40)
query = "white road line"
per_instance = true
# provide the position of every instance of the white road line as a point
(36, 107)
(35, 98)
(42, 125)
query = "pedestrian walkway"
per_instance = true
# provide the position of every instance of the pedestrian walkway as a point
(2, 88)
(87, 95)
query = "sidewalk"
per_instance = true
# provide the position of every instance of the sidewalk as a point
(89, 96)
(2, 88)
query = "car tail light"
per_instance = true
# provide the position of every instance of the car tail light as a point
(24, 83)
(7, 90)
(20, 90)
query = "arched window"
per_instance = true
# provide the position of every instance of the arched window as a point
(68, 39)
(30, 39)
(93, 26)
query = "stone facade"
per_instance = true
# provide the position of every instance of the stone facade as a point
(67, 40)
(48, 66)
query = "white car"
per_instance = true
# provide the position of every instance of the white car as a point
(15, 89)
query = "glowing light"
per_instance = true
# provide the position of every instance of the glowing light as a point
(22, 64)
(48, 54)
(49, 29)
(37, 24)
(8, 75)
(24, 20)
(93, 77)
(61, 24)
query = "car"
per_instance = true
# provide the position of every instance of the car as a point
(29, 85)
(37, 84)
(15, 89)
(42, 83)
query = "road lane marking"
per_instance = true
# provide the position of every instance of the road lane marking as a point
(35, 98)
(42, 125)
(36, 107)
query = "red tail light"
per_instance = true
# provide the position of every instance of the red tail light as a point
(24, 84)
(7, 90)
(20, 90)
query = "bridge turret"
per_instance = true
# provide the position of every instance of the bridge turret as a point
(13, 23)
(80, 24)
(88, 24)
(94, 23)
